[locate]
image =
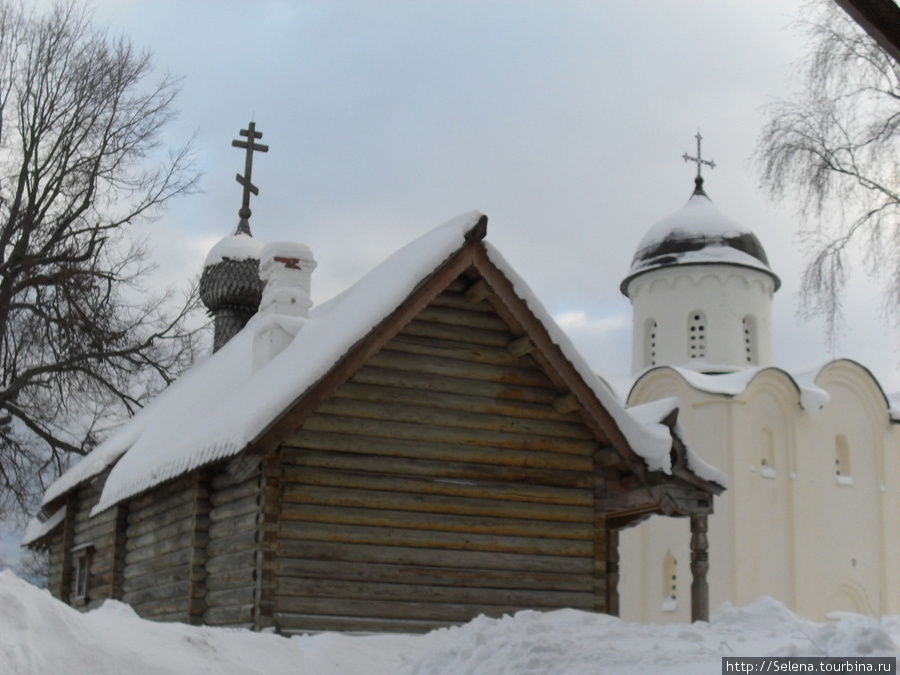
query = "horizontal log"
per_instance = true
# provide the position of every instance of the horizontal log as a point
(465, 471)
(179, 513)
(411, 485)
(185, 541)
(409, 379)
(294, 623)
(450, 349)
(232, 493)
(235, 509)
(448, 541)
(231, 580)
(83, 514)
(240, 541)
(489, 418)
(226, 528)
(222, 564)
(169, 609)
(162, 577)
(461, 318)
(223, 478)
(469, 403)
(290, 587)
(152, 564)
(240, 616)
(163, 491)
(476, 336)
(164, 503)
(177, 592)
(433, 365)
(395, 447)
(412, 520)
(435, 434)
(102, 537)
(186, 525)
(236, 596)
(431, 611)
(433, 576)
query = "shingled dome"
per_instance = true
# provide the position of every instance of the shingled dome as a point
(698, 234)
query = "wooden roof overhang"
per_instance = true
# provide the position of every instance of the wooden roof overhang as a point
(631, 491)
(880, 19)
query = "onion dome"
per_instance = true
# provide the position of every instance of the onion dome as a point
(698, 234)
(230, 286)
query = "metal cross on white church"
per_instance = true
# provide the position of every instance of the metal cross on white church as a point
(699, 158)
(250, 145)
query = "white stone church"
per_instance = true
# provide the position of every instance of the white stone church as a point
(811, 516)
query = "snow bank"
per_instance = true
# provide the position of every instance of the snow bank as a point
(40, 635)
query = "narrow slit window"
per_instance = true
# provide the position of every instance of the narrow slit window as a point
(750, 348)
(650, 342)
(697, 335)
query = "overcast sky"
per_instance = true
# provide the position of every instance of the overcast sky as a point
(564, 122)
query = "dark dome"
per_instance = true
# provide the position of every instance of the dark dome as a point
(698, 234)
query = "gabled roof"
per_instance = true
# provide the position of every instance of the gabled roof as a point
(221, 407)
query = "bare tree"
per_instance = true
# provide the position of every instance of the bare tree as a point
(81, 342)
(836, 147)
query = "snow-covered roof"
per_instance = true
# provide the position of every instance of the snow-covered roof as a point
(222, 404)
(698, 234)
(237, 246)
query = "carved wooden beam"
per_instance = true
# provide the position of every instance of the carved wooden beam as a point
(699, 569)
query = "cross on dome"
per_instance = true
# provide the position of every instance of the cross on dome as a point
(250, 145)
(698, 181)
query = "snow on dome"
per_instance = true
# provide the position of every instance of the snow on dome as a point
(698, 234)
(234, 247)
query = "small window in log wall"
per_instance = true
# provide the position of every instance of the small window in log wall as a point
(81, 558)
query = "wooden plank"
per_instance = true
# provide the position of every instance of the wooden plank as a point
(232, 493)
(440, 523)
(434, 434)
(226, 528)
(159, 548)
(160, 492)
(382, 536)
(477, 336)
(291, 587)
(162, 519)
(177, 528)
(398, 555)
(410, 485)
(176, 501)
(239, 507)
(240, 541)
(165, 609)
(239, 616)
(242, 595)
(224, 479)
(432, 504)
(410, 379)
(296, 623)
(161, 577)
(461, 318)
(177, 591)
(456, 350)
(433, 576)
(438, 469)
(488, 419)
(152, 564)
(486, 405)
(470, 370)
(223, 564)
(235, 578)
(435, 451)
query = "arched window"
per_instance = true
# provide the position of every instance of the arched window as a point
(650, 342)
(697, 335)
(670, 583)
(842, 460)
(750, 338)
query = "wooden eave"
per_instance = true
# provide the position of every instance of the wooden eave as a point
(880, 19)
(635, 491)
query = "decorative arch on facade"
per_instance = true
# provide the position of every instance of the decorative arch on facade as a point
(776, 435)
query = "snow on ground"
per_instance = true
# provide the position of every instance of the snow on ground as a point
(41, 635)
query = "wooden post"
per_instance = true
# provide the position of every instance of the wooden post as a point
(699, 569)
(612, 572)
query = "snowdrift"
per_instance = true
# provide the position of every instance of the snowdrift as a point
(41, 635)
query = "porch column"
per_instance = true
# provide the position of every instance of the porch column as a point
(699, 569)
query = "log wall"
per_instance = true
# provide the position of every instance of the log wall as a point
(437, 485)
(165, 550)
(232, 552)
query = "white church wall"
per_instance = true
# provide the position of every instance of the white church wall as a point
(716, 305)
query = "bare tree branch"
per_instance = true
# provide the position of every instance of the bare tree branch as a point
(81, 344)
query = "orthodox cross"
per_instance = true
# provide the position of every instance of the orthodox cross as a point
(698, 181)
(250, 145)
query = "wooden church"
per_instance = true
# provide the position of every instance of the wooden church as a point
(423, 448)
